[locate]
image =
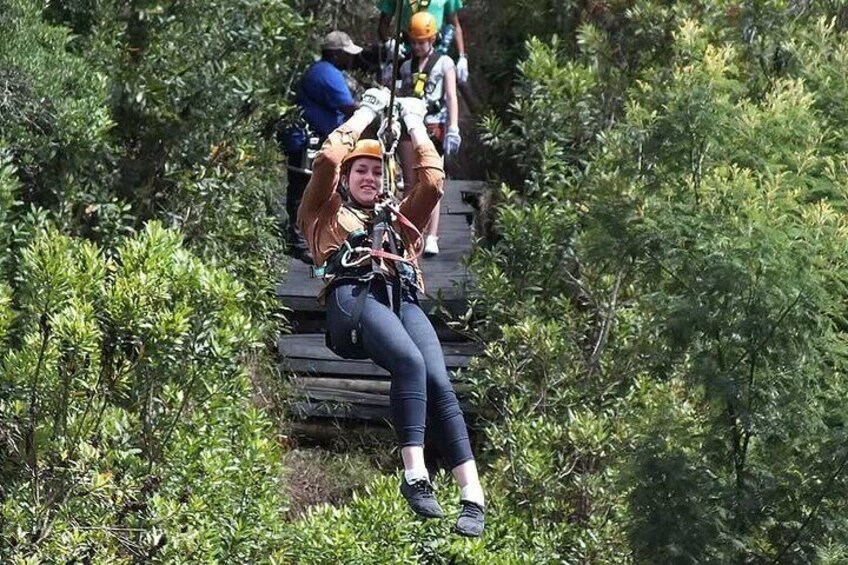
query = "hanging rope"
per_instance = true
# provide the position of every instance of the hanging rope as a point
(387, 136)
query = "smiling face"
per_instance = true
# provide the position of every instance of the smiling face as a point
(365, 180)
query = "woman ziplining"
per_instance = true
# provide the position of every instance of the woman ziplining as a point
(367, 244)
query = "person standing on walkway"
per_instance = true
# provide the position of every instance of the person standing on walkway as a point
(430, 76)
(366, 243)
(442, 10)
(325, 101)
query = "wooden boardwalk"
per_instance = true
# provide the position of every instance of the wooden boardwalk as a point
(327, 386)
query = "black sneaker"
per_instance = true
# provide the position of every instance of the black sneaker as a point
(421, 499)
(471, 521)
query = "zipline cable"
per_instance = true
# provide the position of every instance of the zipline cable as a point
(387, 134)
(395, 64)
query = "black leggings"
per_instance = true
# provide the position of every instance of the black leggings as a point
(408, 348)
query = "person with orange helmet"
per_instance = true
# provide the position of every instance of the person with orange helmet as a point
(366, 245)
(430, 76)
(442, 10)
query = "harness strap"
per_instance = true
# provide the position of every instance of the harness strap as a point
(396, 288)
(422, 78)
(379, 229)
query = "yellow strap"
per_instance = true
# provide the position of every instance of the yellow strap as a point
(419, 82)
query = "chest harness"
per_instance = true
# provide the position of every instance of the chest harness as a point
(375, 253)
(423, 83)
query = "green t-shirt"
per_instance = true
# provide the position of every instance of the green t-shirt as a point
(439, 8)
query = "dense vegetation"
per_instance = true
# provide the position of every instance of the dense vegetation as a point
(661, 292)
(140, 249)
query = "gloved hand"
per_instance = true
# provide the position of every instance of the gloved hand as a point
(374, 101)
(462, 69)
(389, 46)
(452, 141)
(412, 112)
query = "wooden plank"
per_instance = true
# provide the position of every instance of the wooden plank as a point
(341, 411)
(452, 203)
(314, 322)
(310, 345)
(346, 368)
(300, 355)
(449, 285)
(346, 397)
(306, 386)
(452, 301)
(301, 294)
(356, 385)
(467, 186)
(305, 409)
(451, 261)
(325, 367)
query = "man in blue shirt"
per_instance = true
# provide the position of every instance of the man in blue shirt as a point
(325, 102)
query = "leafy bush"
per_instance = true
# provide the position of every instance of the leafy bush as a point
(53, 122)
(664, 294)
(147, 114)
(128, 431)
(377, 527)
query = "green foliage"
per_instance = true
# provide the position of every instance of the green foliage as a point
(122, 386)
(665, 289)
(356, 17)
(53, 119)
(147, 114)
(377, 527)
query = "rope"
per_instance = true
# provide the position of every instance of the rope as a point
(395, 64)
(387, 136)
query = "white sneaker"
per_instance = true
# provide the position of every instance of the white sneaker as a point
(431, 245)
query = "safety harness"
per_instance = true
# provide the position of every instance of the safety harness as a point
(362, 259)
(422, 84)
(421, 81)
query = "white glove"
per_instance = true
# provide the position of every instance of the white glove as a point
(389, 46)
(452, 141)
(374, 101)
(412, 111)
(462, 69)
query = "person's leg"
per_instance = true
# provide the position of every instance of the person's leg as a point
(431, 242)
(386, 342)
(297, 182)
(446, 421)
(445, 416)
(406, 154)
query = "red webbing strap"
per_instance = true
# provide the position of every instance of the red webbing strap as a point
(386, 255)
(419, 237)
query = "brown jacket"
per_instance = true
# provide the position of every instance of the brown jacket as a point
(326, 222)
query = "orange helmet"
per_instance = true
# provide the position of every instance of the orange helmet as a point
(422, 26)
(364, 148)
